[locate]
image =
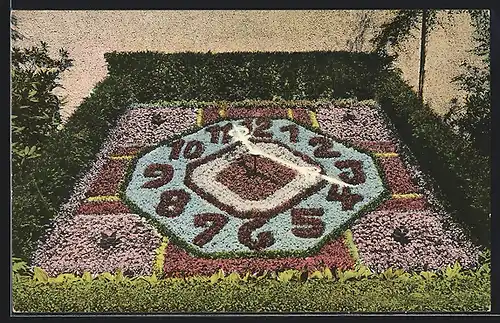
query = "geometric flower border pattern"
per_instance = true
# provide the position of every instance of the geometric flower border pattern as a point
(402, 226)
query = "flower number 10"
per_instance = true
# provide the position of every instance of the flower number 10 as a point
(193, 149)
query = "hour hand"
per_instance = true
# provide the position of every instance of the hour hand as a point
(241, 133)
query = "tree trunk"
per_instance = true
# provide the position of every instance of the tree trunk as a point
(423, 41)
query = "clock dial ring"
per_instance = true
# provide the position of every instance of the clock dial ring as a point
(287, 232)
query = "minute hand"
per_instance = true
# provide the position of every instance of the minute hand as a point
(241, 134)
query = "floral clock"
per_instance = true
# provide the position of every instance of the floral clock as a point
(253, 185)
(249, 187)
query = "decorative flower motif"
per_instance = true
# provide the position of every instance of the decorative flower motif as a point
(357, 123)
(148, 126)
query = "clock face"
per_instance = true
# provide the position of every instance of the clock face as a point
(213, 193)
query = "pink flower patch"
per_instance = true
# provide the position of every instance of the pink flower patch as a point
(359, 123)
(398, 177)
(416, 240)
(100, 244)
(149, 126)
(114, 207)
(178, 262)
(109, 178)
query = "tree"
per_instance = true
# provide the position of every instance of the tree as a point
(423, 43)
(35, 108)
(14, 32)
(34, 120)
(399, 29)
(472, 119)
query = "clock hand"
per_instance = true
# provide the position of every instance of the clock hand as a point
(253, 171)
(241, 134)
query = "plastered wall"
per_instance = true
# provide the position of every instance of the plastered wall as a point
(87, 35)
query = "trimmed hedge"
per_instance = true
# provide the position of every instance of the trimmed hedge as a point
(149, 77)
(451, 290)
(238, 76)
(462, 173)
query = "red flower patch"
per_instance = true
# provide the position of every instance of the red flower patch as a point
(114, 207)
(398, 177)
(217, 222)
(178, 262)
(377, 146)
(309, 222)
(172, 203)
(344, 196)
(358, 177)
(256, 112)
(162, 172)
(255, 178)
(210, 114)
(109, 178)
(301, 115)
(409, 204)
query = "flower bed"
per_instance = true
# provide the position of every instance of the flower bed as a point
(183, 172)
(100, 243)
(413, 240)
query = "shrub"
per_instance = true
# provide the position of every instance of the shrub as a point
(452, 290)
(473, 118)
(41, 191)
(35, 120)
(462, 173)
(35, 108)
